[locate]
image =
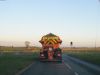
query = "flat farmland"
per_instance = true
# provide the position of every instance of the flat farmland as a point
(11, 62)
(14, 59)
(91, 55)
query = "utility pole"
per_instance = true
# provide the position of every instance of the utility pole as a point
(71, 44)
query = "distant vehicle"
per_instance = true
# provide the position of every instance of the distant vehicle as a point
(50, 48)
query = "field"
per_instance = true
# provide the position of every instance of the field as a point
(91, 55)
(12, 60)
(16, 49)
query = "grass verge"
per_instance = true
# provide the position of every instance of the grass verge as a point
(10, 64)
(92, 57)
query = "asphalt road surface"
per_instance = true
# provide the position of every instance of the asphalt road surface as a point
(67, 67)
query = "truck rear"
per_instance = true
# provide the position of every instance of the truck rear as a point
(50, 50)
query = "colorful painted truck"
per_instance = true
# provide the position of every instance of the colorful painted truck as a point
(50, 48)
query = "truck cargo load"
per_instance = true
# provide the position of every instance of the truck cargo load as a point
(50, 50)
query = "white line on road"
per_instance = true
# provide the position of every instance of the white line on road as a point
(23, 70)
(67, 65)
(76, 73)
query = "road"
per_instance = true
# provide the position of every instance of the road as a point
(67, 67)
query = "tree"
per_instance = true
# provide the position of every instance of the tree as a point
(27, 44)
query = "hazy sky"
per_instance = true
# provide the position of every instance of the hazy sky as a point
(29, 20)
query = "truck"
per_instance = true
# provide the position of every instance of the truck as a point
(50, 50)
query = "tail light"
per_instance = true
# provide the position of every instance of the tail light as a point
(59, 55)
(42, 55)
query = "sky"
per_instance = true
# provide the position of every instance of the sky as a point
(29, 20)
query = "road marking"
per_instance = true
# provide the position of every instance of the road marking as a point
(23, 70)
(76, 73)
(67, 65)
